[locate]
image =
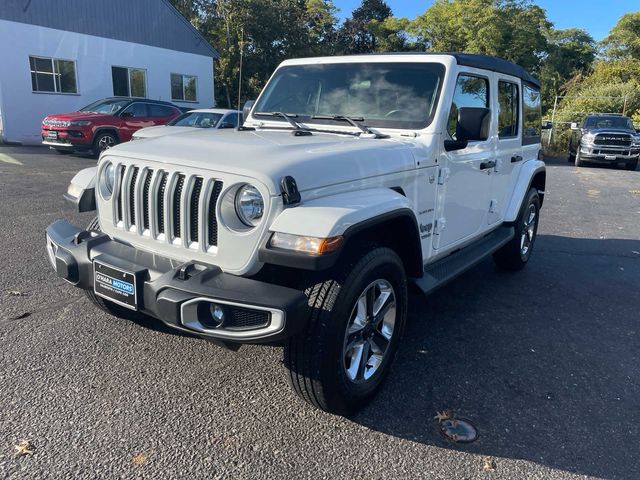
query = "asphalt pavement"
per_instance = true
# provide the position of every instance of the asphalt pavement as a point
(544, 362)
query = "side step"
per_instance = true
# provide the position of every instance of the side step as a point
(446, 269)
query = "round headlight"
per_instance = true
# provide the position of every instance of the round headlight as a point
(249, 205)
(107, 180)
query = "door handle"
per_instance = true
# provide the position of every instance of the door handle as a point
(516, 158)
(487, 164)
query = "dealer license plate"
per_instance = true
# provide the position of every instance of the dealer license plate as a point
(116, 285)
(52, 134)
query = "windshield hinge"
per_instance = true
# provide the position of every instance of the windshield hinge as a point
(289, 189)
(443, 175)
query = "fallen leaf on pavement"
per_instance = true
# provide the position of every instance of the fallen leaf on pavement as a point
(489, 465)
(139, 459)
(16, 293)
(443, 415)
(24, 447)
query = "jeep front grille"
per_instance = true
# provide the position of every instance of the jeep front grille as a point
(167, 206)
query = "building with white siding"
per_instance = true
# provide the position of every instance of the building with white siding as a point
(57, 56)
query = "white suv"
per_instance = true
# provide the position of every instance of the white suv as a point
(351, 178)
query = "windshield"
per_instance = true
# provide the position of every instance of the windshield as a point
(392, 95)
(197, 119)
(110, 107)
(609, 122)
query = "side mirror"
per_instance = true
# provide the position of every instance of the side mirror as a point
(473, 124)
(248, 105)
(574, 126)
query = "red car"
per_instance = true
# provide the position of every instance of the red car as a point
(104, 123)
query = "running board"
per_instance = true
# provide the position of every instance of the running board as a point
(446, 269)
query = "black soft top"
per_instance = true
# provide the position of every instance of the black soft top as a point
(485, 62)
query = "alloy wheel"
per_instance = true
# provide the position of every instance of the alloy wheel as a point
(369, 331)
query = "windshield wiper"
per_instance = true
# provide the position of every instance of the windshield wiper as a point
(298, 129)
(354, 121)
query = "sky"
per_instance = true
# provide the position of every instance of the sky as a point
(595, 16)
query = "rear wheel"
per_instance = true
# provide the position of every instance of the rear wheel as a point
(103, 304)
(355, 323)
(515, 254)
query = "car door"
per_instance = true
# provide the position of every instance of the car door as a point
(160, 114)
(134, 117)
(509, 156)
(464, 180)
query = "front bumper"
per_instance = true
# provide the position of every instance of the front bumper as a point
(172, 291)
(66, 139)
(609, 154)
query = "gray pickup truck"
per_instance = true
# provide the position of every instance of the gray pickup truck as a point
(604, 138)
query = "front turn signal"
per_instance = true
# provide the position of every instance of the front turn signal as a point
(304, 244)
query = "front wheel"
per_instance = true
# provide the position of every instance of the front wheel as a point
(632, 165)
(355, 323)
(514, 255)
(104, 141)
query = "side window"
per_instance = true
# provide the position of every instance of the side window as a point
(532, 115)
(156, 110)
(508, 113)
(471, 91)
(137, 109)
(232, 118)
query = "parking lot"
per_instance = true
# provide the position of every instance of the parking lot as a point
(543, 362)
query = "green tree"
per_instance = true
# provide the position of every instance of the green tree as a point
(355, 34)
(623, 42)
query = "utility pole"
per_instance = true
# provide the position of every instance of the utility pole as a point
(553, 118)
(240, 75)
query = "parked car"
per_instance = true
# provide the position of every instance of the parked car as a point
(351, 178)
(605, 138)
(202, 118)
(104, 123)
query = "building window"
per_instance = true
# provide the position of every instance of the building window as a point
(129, 82)
(183, 87)
(53, 75)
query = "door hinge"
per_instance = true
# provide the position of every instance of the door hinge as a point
(443, 175)
(439, 226)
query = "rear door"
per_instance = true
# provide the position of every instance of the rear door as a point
(464, 180)
(134, 117)
(160, 114)
(509, 145)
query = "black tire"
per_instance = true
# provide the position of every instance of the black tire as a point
(104, 141)
(105, 305)
(512, 256)
(571, 158)
(315, 359)
(632, 165)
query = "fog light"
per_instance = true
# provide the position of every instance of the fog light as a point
(52, 248)
(212, 315)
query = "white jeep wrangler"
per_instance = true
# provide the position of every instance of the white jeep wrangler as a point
(351, 178)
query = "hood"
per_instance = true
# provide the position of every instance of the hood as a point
(150, 132)
(77, 116)
(609, 130)
(315, 161)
